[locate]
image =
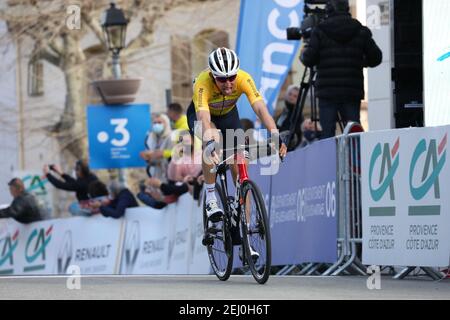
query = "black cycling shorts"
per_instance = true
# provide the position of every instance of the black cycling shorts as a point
(228, 121)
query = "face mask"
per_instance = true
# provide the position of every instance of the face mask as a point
(289, 105)
(158, 128)
(310, 135)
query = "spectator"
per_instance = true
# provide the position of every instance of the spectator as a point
(24, 207)
(159, 146)
(309, 132)
(97, 192)
(121, 199)
(290, 99)
(79, 185)
(340, 47)
(183, 172)
(177, 117)
(151, 196)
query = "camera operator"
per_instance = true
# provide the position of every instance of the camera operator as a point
(340, 47)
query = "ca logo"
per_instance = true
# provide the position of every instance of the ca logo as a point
(389, 165)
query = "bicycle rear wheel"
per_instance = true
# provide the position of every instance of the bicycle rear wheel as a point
(256, 232)
(218, 240)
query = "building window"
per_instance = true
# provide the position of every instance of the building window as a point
(181, 70)
(205, 42)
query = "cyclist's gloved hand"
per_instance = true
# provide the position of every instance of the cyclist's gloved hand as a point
(281, 145)
(210, 151)
(210, 147)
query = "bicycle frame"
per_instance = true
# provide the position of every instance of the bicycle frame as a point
(237, 217)
(241, 178)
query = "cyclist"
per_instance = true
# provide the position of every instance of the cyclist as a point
(216, 92)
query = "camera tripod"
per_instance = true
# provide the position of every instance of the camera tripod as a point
(306, 86)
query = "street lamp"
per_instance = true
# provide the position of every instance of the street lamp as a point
(115, 28)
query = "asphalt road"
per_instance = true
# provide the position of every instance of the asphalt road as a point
(208, 287)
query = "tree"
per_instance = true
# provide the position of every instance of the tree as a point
(46, 23)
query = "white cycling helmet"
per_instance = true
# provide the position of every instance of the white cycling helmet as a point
(223, 62)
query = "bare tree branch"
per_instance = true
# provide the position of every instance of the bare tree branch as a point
(94, 25)
(56, 47)
(50, 57)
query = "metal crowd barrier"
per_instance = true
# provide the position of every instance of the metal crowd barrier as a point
(349, 195)
(349, 241)
(350, 209)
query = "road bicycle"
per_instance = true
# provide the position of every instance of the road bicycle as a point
(245, 221)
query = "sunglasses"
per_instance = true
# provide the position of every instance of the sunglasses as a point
(225, 79)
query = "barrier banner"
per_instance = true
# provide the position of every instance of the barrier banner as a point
(198, 262)
(405, 187)
(146, 244)
(28, 249)
(303, 209)
(93, 244)
(166, 241)
(51, 246)
(178, 234)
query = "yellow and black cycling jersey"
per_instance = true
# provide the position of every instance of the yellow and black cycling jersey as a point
(207, 95)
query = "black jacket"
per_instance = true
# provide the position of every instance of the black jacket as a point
(341, 47)
(80, 185)
(24, 209)
(116, 209)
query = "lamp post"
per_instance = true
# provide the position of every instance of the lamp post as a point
(115, 28)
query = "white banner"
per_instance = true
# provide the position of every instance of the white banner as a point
(198, 261)
(146, 241)
(166, 241)
(145, 245)
(51, 246)
(28, 249)
(92, 244)
(405, 202)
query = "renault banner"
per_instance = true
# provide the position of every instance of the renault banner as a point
(51, 246)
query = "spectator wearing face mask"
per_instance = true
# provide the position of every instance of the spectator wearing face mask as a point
(159, 147)
(310, 132)
(283, 121)
(290, 99)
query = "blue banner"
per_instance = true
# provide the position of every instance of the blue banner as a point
(262, 47)
(301, 200)
(116, 135)
(303, 206)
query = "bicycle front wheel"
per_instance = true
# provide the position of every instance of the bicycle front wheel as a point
(256, 232)
(218, 241)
